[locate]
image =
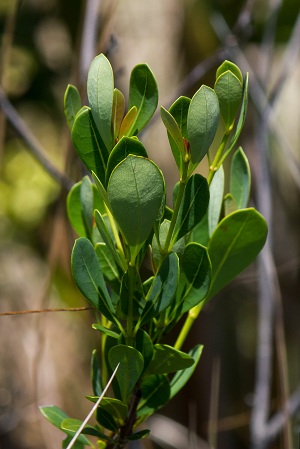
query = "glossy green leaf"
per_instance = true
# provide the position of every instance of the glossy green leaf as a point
(181, 377)
(100, 91)
(163, 288)
(177, 146)
(155, 394)
(200, 232)
(144, 345)
(72, 104)
(87, 205)
(143, 94)
(118, 110)
(202, 122)
(139, 435)
(195, 278)
(116, 408)
(240, 179)
(56, 416)
(193, 206)
(130, 368)
(234, 245)
(229, 90)
(229, 66)
(89, 278)
(72, 425)
(216, 199)
(96, 373)
(105, 330)
(136, 191)
(125, 146)
(166, 360)
(74, 207)
(179, 111)
(106, 420)
(88, 143)
(127, 123)
(77, 445)
(101, 190)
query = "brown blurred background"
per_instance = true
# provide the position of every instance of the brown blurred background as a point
(44, 357)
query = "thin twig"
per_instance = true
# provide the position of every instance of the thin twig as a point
(33, 145)
(58, 309)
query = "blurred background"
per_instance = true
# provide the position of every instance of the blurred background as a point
(251, 331)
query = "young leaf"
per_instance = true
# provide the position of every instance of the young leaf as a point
(143, 94)
(229, 90)
(87, 205)
(89, 278)
(193, 206)
(125, 146)
(96, 374)
(100, 91)
(181, 377)
(56, 416)
(72, 425)
(202, 122)
(195, 277)
(155, 394)
(229, 204)
(144, 345)
(88, 143)
(240, 179)
(179, 111)
(130, 369)
(174, 132)
(166, 360)
(163, 288)
(72, 104)
(136, 191)
(216, 200)
(229, 66)
(105, 330)
(117, 113)
(177, 248)
(128, 120)
(234, 245)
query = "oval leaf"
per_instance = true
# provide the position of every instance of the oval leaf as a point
(166, 360)
(234, 245)
(88, 144)
(131, 367)
(136, 191)
(143, 94)
(228, 65)
(100, 91)
(117, 112)
(229, 90)
(216, 200)
(155, 394)
(240, 179)
(89, 278)
(72, 104)
(202, 122)
(174, 132)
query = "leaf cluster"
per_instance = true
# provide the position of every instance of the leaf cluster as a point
(140, 263)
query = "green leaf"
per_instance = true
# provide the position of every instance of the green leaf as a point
(177, 248)
(89, 278)
(202, 122)
(88, 143)
(155, 394)
(179, 111)
(72, 425)
(229, 90)
(105, 330)
(144, 345)
(128, 121)
(163, 288)
(87, 205)
(118, 110)
(234, 245)
(125, 146)
(216, 200)
(56, 416)
(200, 232)
(195, 278)
(130, 368)
(136, 191)
(106, 420)
(143, 94)
(193, 206)
(240, 179)
(166, 360)
(229, 66)
(123, 306)
(96, 374)
(72, 104)
(229, 204)
(100, 91)
(139, 435)
(116, 408)
(181, 377)
(107, 239)
(177, 144)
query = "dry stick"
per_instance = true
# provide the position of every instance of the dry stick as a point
(58, 309)
(33, 145)
(73, 441)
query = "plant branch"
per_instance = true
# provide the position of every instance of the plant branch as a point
(32, 143)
